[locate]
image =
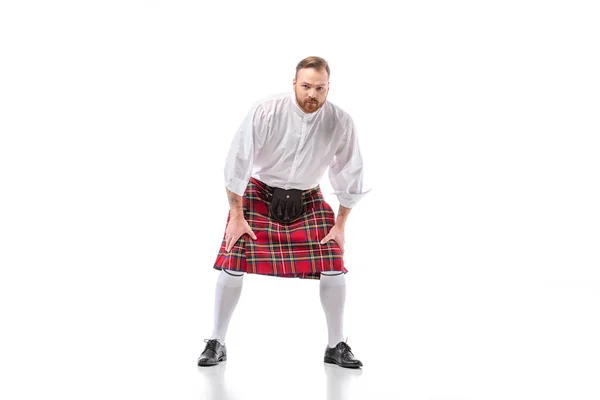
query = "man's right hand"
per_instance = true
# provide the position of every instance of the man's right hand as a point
(235, 229)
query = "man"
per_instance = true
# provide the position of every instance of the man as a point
(279, 223)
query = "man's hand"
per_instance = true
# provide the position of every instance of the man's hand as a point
(235, 229)
(337, 235)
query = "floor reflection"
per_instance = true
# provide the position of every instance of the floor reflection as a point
(337, 382)
(214, 382)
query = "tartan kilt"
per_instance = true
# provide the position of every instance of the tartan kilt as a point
(290, 251)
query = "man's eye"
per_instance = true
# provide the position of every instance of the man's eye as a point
(320, 88)
(304, 86)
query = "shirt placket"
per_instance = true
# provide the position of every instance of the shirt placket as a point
(303, 128)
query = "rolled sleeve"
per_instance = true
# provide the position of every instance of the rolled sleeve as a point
(238, 166)
(346, 169)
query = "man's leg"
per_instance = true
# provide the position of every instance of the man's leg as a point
(227, 294)
(333, 297)
(332, 290)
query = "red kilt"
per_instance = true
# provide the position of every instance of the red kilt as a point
(291, 251)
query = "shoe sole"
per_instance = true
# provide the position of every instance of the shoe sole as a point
(332, 361)
(212, 364)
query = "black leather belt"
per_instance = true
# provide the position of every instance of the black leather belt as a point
(286, 206)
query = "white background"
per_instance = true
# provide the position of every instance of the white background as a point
(474, 262)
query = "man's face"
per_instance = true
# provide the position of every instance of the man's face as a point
(311, 88)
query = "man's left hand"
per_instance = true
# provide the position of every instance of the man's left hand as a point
(337, 235)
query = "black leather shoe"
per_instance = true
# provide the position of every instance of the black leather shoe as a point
(341, 355)
(213, 353)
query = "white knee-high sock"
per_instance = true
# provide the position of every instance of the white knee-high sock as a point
(332, 291)
(227, 294)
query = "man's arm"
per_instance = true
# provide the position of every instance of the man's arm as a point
(337, 232)
(237, 225)
(346, 168)
(240, 158)
(342, 216)
(235, 204)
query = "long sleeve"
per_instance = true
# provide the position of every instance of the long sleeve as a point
(346, 169)
(240, 159)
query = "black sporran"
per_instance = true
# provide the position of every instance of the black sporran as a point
(286, 205)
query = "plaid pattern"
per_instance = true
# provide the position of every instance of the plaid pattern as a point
(283, 250)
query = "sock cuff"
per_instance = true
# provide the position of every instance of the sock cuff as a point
(333, 280)
(238, 273)
(230, 280)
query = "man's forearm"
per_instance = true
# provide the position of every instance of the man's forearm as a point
(235, 204)
(342, 216)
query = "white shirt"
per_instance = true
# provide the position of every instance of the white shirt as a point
(282, 146)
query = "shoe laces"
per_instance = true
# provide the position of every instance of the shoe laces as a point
(343, 346)
(211, 344)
